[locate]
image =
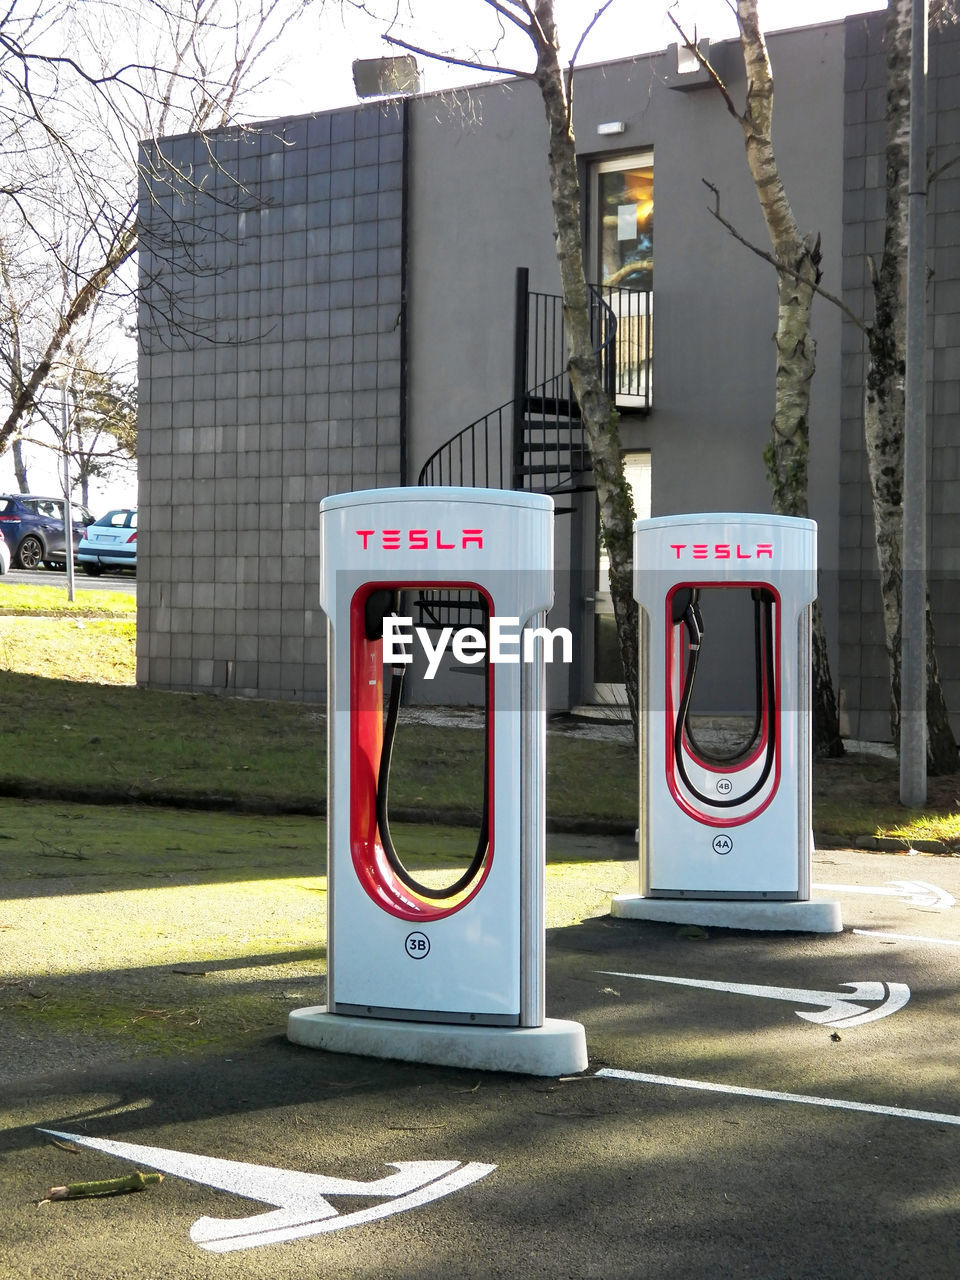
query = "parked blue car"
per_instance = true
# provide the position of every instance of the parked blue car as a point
(110, 542)
(33, 528)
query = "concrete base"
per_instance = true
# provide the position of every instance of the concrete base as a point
(558, 1048)
(732, 913)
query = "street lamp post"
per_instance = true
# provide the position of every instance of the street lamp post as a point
(67, 503)
(913, 629)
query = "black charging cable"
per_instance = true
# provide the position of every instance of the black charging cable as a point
(389, 602)
(686, 609)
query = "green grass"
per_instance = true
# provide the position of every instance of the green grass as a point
(87, 741)
(64, 734)
(191, 917)
(944, 827)
(42, 633)
(52, 602)
(47, 840)
(98, 743)
(859, 796)
(172, 931)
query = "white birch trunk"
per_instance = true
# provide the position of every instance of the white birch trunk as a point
(599, 415)
(787, 453)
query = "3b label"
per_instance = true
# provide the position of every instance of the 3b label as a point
(417, 945)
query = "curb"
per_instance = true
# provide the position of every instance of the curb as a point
(267, 806)
(900, 844)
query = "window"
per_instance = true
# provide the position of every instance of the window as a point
(622, 201)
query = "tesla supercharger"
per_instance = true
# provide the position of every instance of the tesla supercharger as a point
(450, 974)
(725, 833)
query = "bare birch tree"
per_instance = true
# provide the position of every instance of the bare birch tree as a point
(600, 420)
(71, 119)
(797, 259)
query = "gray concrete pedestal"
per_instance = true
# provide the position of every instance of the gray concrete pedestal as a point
(558, 1048)
(732, 913)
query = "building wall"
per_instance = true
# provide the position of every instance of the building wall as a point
(328, 299)
(864, 674)
(270, 375)
(480, 207)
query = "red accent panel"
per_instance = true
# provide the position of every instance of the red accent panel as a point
(672, 691)
(366, 742)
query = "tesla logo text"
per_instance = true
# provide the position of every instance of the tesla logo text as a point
(507, 642)
(724, 550)
(420, 539)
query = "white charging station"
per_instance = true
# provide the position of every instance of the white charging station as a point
(725, 833)
(451, 975)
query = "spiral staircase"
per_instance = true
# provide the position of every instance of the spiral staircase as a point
(535, 442)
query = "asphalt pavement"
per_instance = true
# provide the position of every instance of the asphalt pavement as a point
(766, 1105)
(82, 581)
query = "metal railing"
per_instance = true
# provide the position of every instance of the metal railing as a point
(631, 356)
(480, 455)
(536, 440)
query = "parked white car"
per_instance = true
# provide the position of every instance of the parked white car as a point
(109, 543)
(4, 555)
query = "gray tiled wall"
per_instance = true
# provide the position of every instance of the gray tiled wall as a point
(270, 375)
(863, 662)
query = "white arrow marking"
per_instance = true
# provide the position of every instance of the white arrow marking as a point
(302, 1208)
(916, 893)
(839, 1011)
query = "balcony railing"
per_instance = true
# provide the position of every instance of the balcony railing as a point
(632, 357)
(627, 361)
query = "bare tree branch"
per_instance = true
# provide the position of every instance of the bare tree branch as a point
(72, 128)
(692, 47)
(510, 16)
(455, 62)
(599, 416)
(589, 27)
(776, 262)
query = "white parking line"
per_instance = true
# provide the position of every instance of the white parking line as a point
(902, 1113)
(907, 937)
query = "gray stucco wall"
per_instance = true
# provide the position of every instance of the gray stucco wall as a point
(480, 207)
(864, 670)
(270, 376)
(327, 299)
